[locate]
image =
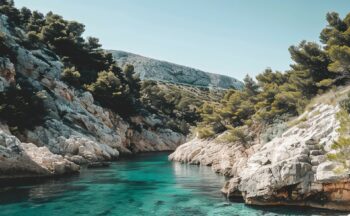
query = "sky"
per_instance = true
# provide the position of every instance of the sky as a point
(230, 37)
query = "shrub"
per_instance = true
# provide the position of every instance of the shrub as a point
(71, 76)
(345, 104)
(341, 147)
(325, 83)
(178, 126)
(22, 107)
(205, 132)
(33, 40)
(175, 101)
(106, 89)
(237, 134)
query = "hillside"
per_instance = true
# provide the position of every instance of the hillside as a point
(285, 138)
(152, 69)
(66, 103)
(59, 109)
(293, 168)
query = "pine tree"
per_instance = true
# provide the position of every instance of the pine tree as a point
(250, 86)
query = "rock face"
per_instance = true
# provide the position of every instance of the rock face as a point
(75, 128)
(224, 158)
(289, 170)
(26, 159)
(151, 69)
(7, 73)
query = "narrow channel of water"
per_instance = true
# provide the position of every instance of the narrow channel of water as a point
(146, 184)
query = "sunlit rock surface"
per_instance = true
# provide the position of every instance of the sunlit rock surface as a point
(76, 128)
(19, 159)
(291, 169)
(152, 69)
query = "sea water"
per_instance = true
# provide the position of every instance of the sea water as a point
(145, 184)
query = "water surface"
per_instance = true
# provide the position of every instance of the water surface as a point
(146, 184)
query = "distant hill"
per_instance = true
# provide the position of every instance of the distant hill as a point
(152, 69)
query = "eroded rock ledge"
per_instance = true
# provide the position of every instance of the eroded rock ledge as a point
(19, 159)
(289, 170)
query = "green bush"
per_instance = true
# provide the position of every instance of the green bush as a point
(107, 89)
(178, 126)
(342, 145)
(342, 154)
(315, 69)
(238, 134)
(345, 104)
(205, 132)
(71, 76)
(174, 101)
(22, 107)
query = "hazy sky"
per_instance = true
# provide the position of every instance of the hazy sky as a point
(231, 37)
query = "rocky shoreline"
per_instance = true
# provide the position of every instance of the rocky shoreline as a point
(291, 169)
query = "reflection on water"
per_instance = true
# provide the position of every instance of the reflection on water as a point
(33, 190)
(147, 184)
(200, 179)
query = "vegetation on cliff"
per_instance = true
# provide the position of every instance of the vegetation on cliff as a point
(87, 65)
(341, 147)
(178, 102)
(279, 95)
(21, 107)
(269, 99)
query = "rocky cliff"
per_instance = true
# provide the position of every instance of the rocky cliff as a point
(291, 169)
(152, 69)
(76, 130)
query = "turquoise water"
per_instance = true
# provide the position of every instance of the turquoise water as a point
(147, 184)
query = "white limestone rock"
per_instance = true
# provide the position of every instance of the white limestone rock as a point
(27, 160)
(291, 169)
(326, 172)
(151, 69)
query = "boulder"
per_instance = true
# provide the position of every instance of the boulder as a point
(19, 159)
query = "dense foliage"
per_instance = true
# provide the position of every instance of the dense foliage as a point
(109, 90)
(272, 97)
(178, 102)
(22, 107)
(87, 65)
(278, 95)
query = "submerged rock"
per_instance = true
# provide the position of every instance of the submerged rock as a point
(98, 164)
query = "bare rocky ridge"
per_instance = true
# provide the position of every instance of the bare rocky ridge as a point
(152, 69)
(76, 129)
(289, 170)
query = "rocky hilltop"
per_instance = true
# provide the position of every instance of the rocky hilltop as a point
(76, 130)
(291, 169)
(152, 69)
